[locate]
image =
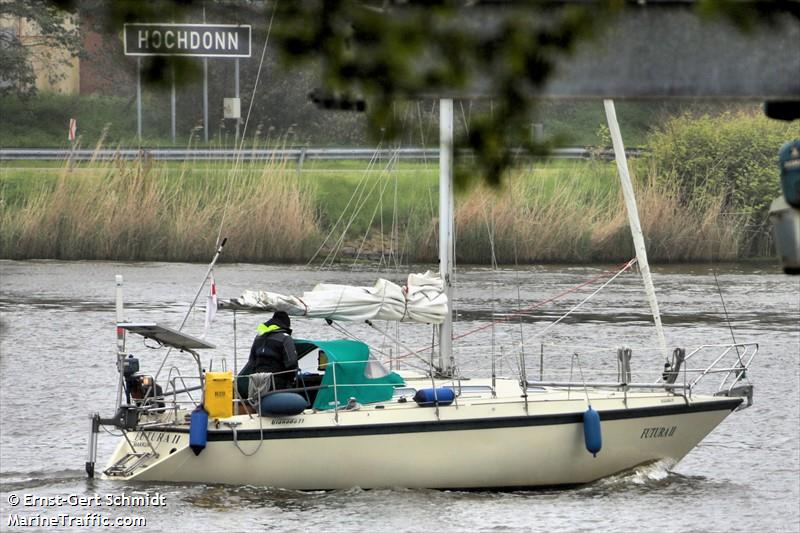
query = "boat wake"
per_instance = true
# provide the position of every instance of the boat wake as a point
(657, 473)
(658, 478)
(650, 475)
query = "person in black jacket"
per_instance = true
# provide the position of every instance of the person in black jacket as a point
(272, 351)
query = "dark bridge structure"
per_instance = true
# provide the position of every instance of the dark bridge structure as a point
(666, 49)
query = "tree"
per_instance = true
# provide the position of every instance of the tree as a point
(17, 54)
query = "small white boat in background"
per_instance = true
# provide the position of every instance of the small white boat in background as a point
(349, 421)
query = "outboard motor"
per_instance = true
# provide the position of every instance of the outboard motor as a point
(130, 366)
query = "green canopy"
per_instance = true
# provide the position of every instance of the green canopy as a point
(357, 374)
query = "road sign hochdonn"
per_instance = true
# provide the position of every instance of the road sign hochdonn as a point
(199, 40)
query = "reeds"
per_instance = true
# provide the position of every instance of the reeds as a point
(578, 215)
(156, 211)
(146, 210)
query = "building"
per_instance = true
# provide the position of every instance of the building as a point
(56, 70)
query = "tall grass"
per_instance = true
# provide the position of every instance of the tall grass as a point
(562, 219)
(140, 210)
(555, 212)
(673, 231)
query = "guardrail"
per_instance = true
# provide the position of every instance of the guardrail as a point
(266, 154)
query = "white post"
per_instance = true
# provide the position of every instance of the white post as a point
(446, 245)
(633, 220)
(120, 339)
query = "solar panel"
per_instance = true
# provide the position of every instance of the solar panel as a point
(165, 335)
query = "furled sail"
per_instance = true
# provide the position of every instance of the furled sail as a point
(422, 300)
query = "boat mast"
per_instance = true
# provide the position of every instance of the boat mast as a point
(446, 245)
(633, 220)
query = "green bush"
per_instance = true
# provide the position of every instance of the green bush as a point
(733, 154)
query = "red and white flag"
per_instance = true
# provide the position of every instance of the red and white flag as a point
(211, 305)
(73, 128)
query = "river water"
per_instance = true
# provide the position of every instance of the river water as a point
(57, 343)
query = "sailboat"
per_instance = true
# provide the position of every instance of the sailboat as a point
(352, 422)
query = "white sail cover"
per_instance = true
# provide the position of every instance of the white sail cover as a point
(421, 300)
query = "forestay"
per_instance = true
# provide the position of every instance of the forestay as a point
(422, 300)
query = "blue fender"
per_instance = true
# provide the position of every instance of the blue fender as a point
(283, 404)
(198, 430)
(591, 431)
(433, 397)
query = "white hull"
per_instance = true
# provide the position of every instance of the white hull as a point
(480, 443)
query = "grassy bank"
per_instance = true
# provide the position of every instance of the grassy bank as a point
(560, 211)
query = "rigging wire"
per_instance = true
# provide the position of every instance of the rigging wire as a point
(397, 341)
(422, 134)
(558, 296)
(395, 221)
(603, 275)
(364, 197)
(727, 318)
(360, 200)
(603, 286)
(724, 308)
(490, 230)
(356, 191)
(378, 207)
(519, 316)
(464, 117)
(238, 160)
(347, 333)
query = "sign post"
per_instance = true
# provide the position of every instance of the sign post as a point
(236, 95)
(139, 98)
(205, 99)
(192, 40)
